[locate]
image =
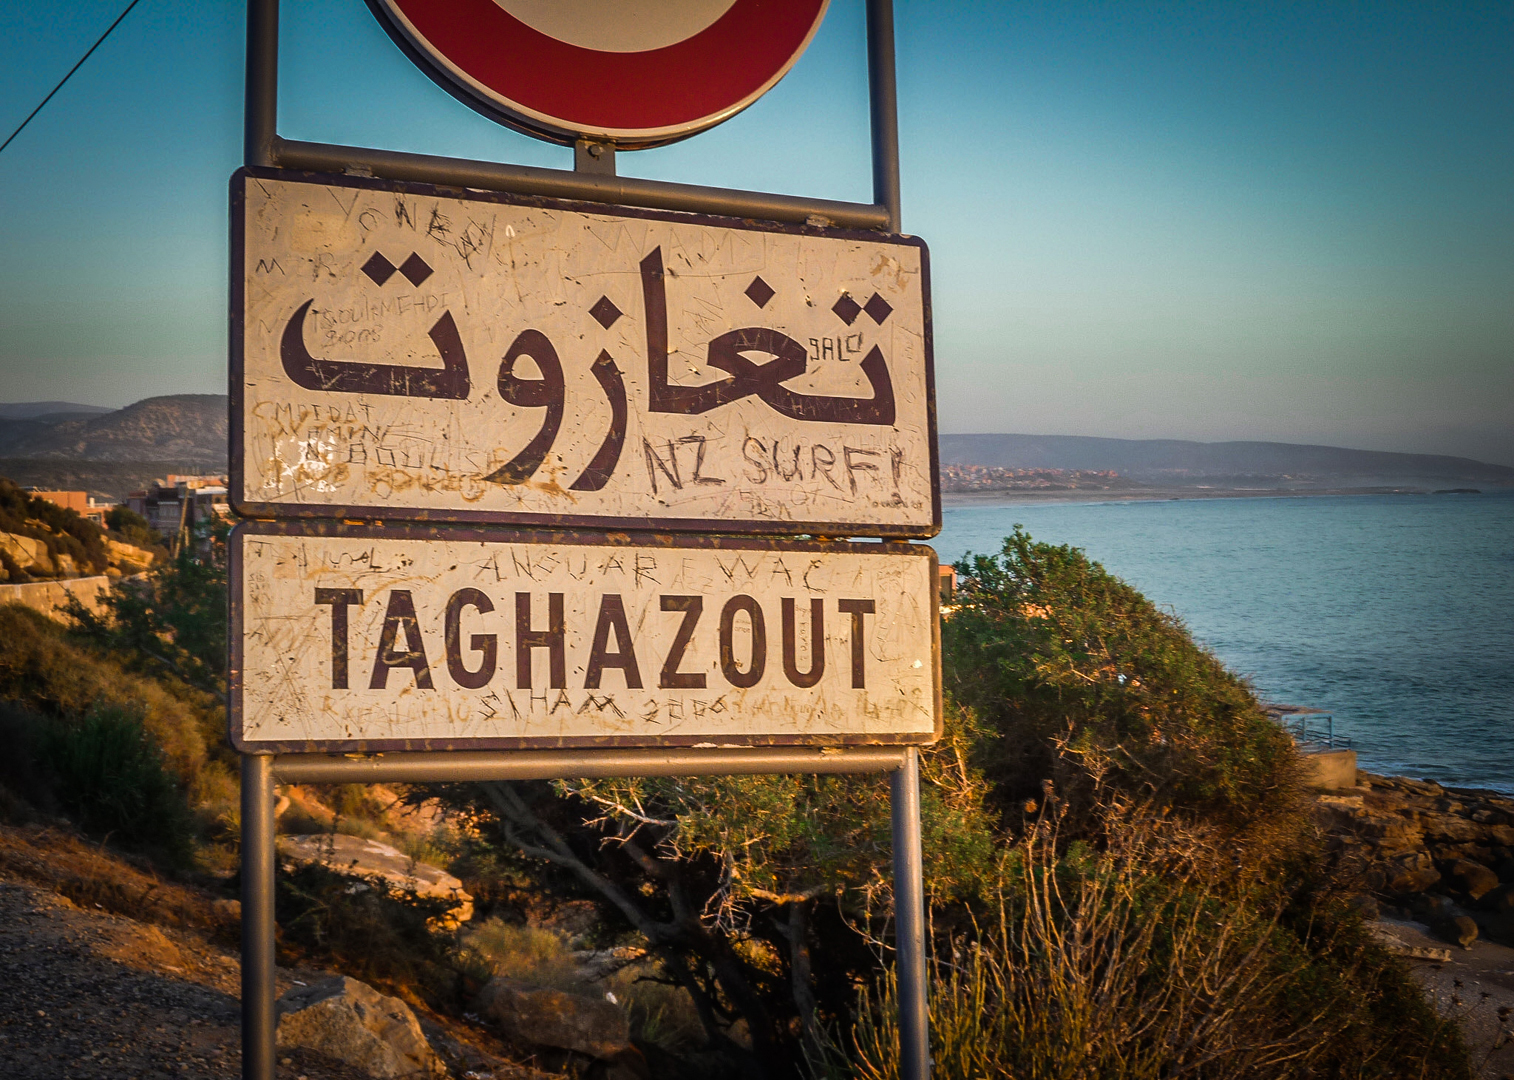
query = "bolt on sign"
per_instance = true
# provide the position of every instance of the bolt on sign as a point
(406, 352)
(371, 638)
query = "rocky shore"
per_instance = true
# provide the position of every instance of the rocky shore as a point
(1442, 856)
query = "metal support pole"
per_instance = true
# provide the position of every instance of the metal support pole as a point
(257, 917)
(909, 921)
(884, 96)
(261, 116)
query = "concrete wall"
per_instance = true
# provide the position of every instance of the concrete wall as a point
(46, 596)
(1330, 770)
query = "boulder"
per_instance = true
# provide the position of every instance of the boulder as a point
(537, 1015)
(354, 1023)
(129, 557)
(1459, 931)
(1472, 878)
(28, 552)
(1410, 873)
(369, 858)
(1433, 908)
(1500, 899)
(1499, 927)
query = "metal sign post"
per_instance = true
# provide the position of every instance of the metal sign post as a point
(792, 668)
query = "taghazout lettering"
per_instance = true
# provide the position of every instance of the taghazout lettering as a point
(372, 635)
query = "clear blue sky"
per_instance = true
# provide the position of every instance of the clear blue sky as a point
(1285, 221)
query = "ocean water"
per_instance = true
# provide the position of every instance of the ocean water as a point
(1394, 612)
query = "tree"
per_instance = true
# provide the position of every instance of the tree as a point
(174, 617)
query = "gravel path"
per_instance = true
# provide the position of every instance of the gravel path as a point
(85, 994)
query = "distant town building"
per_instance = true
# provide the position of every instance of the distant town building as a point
(179, 504)
(81, 502)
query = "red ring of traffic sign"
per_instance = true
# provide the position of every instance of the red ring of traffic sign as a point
(635, 74)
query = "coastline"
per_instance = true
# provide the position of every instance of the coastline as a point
(1011, 498)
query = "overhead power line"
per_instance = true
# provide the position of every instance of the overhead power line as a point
(70, 74)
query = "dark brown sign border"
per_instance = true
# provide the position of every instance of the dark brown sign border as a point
(252, 529)
(384, 512)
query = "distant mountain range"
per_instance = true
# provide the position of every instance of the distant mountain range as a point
(1178, 463)
(114, 450)
(189, 428)
(49, 410)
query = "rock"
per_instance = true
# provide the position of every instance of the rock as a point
(1413, 872)
(1448, 828)
(627, 1065)
(1474, 879)
(227, 912)
(131, 559)
(1418, 787)
(1499, 899)
(1365, 904)
(544, 1017)
(1499, 927)
(1434, 908)
(1459, 931)
(368, 858)
(352, 1022)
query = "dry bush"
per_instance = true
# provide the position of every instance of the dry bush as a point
(1154, 957)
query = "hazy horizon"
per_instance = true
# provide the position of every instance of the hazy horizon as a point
(1209, 224)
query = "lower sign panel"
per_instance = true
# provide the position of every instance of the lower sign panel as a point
(349, 638)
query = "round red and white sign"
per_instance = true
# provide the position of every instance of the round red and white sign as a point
(635, 72)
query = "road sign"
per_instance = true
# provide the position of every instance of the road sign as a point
(640, 74)
(406, 352)
(369, 638)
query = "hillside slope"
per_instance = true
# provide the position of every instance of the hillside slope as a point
(189, 429)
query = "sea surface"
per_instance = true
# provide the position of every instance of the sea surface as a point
(1393, 612)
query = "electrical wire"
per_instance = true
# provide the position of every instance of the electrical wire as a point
(70, 74)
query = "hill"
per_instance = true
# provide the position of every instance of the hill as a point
(1180, 463)
(185, 428)
(39, 410)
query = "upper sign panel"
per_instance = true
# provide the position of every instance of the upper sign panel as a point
(399, 353)
(640, 72)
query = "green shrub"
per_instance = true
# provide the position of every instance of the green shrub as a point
(1065, 666)
(114, 782)
(46, 671)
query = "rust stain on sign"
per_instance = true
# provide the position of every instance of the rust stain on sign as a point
(419, 353)
(373, 638)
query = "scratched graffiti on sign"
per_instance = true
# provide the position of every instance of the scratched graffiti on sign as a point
(387, 639)
(409, 354)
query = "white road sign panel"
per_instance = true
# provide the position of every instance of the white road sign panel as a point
(368, 638)
(407, 352)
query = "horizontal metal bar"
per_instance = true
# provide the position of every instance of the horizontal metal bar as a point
(561, 184)
(459, 766)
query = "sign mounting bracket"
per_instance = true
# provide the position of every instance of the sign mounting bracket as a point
(264, 146)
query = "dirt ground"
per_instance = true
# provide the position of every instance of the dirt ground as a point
(86, 992)
(1476, 986)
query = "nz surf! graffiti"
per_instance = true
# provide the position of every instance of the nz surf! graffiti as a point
(483, 357)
